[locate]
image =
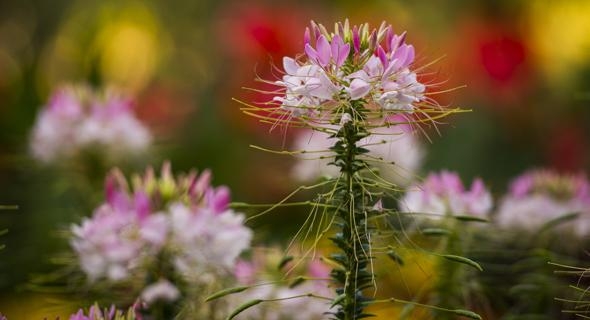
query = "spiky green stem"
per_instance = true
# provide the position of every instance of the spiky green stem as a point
(353, 240)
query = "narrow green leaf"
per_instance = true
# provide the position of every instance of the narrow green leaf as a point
(284, 261)
(225, 292)
(297, 281)
(470, 218)
(3, 232)
(395, 257)
(559, 220)
(243, 307)
(337, 300)
(462, 260)
(466, 313)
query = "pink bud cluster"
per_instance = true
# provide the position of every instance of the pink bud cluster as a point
(444, 194)
(77, 118)
(538, 196)
(184, 219)
(350, 64)
(95, 313)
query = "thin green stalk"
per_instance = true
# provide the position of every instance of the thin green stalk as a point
(352, 274)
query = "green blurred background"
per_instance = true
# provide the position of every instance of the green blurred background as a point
(525, 64)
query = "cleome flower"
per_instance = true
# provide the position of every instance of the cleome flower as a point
(84, 119)
(183, 220)
(347, 65)
(539, 196)
(443, 193)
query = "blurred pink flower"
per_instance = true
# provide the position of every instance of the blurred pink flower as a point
(77, 118)
(539, 196)
(443, 193)
(182, 218)
(259, 273)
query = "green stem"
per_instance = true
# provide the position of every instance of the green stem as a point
(452, 275)
(353, 275)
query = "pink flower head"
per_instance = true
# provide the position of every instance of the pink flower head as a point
(443, 193)
(351, 63)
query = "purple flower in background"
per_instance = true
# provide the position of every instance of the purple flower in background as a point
(539, 196)
(77, 118)
(443, 193)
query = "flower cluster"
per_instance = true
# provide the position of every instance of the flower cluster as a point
(262, 274)
(395, 151)
(95, 313)
(350, 64)
(77, 118)
(443, 193)
(538, 196)
(185, 221)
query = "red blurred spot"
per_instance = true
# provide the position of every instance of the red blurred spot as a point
(163, 108)
(567, 149)
(502, 57)
(267, 37)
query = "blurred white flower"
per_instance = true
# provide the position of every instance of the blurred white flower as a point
(206, 241)
(161, 290)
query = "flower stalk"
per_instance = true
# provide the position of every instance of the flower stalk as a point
(352, 239)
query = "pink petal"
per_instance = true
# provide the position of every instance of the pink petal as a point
(358, 89)
(290, 65)
(411, 55)
(142, 205)
(311, 53)
(383, 57)
(335, 46)
(342, 54)
(373, 40)
(323, 51)
(356, 39)
(218, 199)
(389, 38)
